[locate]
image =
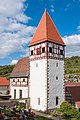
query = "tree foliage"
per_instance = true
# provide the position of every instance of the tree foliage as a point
(67, 111)
(6, 70)
(72, 65)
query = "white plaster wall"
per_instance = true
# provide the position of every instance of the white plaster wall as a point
(24, 90)
(38, 82)
(56, 87)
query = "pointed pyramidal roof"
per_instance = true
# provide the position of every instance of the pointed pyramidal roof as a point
(46, 31)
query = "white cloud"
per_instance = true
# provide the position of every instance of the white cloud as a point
(72, 45)
(73, 39)
(78, 28)
(13, 62)
(52, 8)
(14, 33)
(67, 7)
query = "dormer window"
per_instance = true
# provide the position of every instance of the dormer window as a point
(31, 52)
(38, 51)
(50, 49)
(43, 49)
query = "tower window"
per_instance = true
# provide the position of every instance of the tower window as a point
(43, 49)
(57, 100)
(20, 93)
(56, 64)
(38, 51)
(56, 77)
(31, 52)
(38, 101)
(50, 49)
(36, 64)
(61, 52)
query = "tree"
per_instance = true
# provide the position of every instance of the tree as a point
(67, 111)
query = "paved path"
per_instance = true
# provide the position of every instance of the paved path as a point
(47, 116)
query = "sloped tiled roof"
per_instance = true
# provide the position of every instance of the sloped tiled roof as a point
(46, 30)
(4, 81)
(21, 69)
(74, 89)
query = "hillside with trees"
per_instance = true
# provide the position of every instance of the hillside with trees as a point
(6, 70)
(72, 66)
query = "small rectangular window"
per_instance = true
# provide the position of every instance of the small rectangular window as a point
(38, 51)
(56, 100)
(31, 52)
(43, 49)
(56, 77)
(38, 101)
(50, 49)
(56, 64)
(61, 52)
(36, 64)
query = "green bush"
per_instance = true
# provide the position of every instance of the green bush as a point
(67, 111)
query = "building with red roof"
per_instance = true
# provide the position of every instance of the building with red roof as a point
(72, 93)
(4, 85)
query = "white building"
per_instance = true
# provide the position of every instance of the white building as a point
(19, 80)
(46, 83)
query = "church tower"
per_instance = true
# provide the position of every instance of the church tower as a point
(46, 66)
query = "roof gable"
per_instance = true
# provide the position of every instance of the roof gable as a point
(46, 30)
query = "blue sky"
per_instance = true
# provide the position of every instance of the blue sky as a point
(19, 19)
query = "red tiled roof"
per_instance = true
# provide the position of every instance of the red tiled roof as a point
(21, 69)
(46, 30)
(4, 81)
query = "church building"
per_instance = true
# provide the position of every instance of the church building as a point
(46, 68)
